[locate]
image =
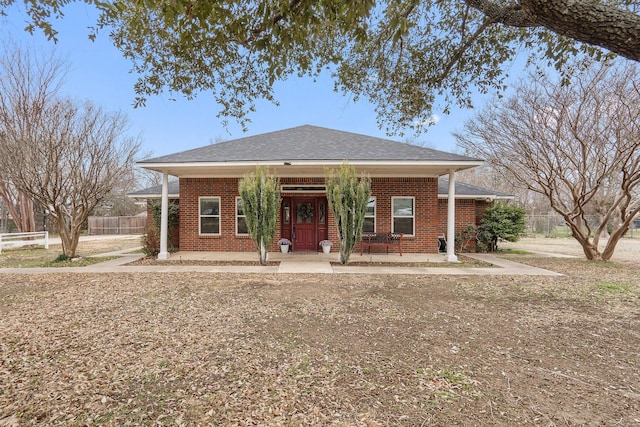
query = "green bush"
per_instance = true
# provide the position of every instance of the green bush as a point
(501, 221)
(61, 258)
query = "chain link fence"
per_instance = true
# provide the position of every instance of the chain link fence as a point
(553, 225)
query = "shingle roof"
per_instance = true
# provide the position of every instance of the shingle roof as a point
(156, 191)
(468, 190)
(308, 143)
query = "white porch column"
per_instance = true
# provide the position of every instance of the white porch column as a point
(164, 218)
(451, 219)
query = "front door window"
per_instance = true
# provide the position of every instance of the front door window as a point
(305, 212)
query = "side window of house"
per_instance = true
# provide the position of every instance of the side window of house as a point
(241, 219)
(369, 225)
(210, 215)
(403, 210)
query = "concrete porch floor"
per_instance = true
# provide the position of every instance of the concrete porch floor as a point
(318, 262)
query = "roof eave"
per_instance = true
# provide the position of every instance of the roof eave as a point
(311, 167)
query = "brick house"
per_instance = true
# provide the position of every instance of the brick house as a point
(408, 194)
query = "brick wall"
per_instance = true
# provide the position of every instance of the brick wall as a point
(430, 219)
(468, 211)
(425, 191)
(225, 188)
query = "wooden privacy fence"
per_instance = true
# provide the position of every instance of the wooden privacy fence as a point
(116, 225)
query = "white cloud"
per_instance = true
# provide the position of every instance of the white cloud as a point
(433, 120)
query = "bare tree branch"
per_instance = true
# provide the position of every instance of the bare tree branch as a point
(65, 156)
(578, 145)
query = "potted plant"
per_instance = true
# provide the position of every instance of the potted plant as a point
(326, 246)
(284, 245)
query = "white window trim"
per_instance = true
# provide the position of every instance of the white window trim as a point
(413, 217)
(200, 216)
(240, 216)
(375, 213)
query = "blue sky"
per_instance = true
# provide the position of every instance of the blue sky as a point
(98, 72)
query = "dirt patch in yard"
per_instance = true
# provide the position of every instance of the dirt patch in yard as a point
(334, 350)
(627, 249)
(463, 262)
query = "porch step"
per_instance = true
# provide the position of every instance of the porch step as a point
(311, 267)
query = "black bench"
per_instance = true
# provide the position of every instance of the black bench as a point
(381, 239)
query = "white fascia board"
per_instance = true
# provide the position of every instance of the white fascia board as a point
(208, 165)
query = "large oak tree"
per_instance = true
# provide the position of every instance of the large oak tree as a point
(400, 54)
(578, 145)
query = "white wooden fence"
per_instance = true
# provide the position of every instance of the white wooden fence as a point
(12, 240)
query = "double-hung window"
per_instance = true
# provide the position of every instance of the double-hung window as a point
(403, 211)
(369, 225)
(241, 219)
(209, 216)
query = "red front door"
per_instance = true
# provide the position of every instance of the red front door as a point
(304, 224)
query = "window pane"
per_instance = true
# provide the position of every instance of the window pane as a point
(403, 225)
(240, 207)
(209, 207)
(210, 225)
(242, 225)
(403, 206)
(369, 225)
(321, 214)
(371, 208)
(287, 213)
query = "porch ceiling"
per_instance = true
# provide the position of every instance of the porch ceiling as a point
(301, 169)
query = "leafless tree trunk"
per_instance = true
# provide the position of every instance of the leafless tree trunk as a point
(65, 156)
(20, 207)
(578, 144)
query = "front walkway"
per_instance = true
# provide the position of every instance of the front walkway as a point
(297, 263)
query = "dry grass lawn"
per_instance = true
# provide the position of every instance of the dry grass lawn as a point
(89, 246)
(327, 350)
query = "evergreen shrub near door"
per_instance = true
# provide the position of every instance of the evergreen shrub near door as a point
(348, 197)
(260, 193)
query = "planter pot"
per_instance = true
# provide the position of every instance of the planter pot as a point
(284, 248)
(326, 249)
